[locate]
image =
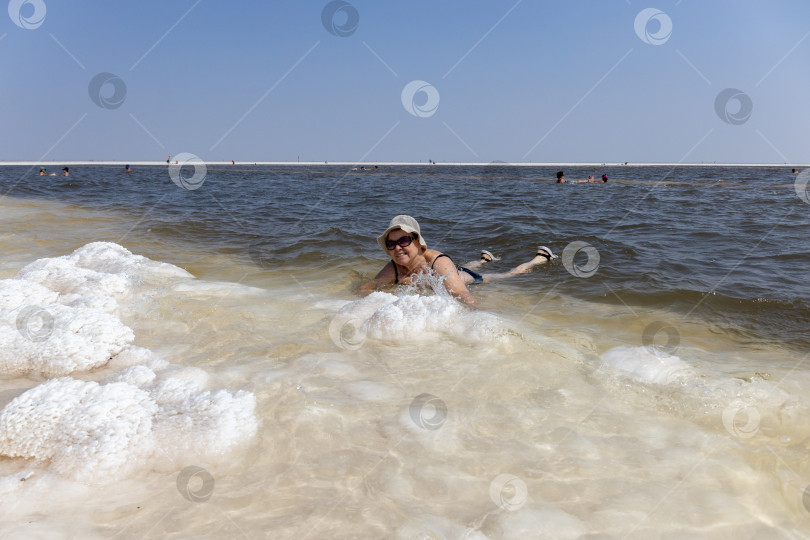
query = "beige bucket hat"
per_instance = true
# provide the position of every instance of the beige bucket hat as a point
(407, 224)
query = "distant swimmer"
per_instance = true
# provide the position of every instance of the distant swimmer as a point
(604, 178)
(560, 177)
(42, 171)
(403, 242)
(66, 171)
(795, 171)
(233, 162)
(126, 168)
(169, 159)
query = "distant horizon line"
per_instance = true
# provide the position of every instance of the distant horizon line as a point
(397, 163)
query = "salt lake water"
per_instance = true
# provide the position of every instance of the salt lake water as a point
(197, 362)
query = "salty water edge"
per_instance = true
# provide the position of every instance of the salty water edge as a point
(596, 435)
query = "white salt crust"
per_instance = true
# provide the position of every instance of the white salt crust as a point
(59, 316)
(99, 433)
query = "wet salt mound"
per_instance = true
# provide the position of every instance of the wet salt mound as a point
(648, 365)
(57, 315)
(65, 340)
(96, 272)
(98, 433)
(40, 335)
(708, 385)
(388, 317)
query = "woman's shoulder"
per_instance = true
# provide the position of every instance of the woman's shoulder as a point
(431, 254)
(437, 257)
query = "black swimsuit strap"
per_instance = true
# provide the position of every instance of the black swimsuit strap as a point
(439, 257)
(396, 272)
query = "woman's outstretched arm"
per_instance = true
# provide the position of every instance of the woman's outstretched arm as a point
(385, 276)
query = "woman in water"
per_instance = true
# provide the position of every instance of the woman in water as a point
(404, 243)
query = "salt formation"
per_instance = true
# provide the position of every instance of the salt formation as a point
(97, 270)
(385, 316)
(59, 316)
(648, 365)
(97, 433)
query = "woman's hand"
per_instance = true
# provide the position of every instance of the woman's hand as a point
(384, 277)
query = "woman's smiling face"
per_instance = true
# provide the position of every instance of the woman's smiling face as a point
(403, 255)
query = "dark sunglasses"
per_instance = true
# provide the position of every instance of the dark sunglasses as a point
(405, 241)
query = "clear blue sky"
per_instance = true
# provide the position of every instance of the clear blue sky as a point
(530, 80)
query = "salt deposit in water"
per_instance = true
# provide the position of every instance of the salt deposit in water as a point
(58, 316)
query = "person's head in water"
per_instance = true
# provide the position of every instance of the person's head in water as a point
(66, 171)
(402, 240)
(42, 171)
(604, 178)
(560, 177)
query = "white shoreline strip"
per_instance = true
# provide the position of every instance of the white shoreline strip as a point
(104, 163)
